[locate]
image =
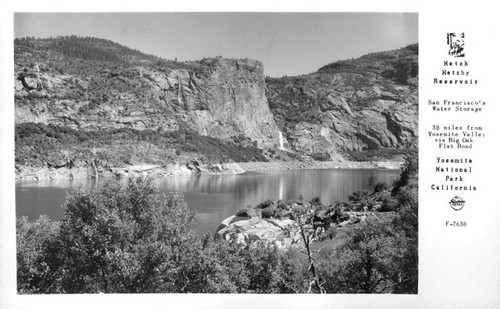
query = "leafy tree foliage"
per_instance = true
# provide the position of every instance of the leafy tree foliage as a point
(34, 247)
(381, 256)
(117, 239)
(409, 175)
(364, 264)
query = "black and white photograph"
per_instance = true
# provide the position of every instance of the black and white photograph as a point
(216, 152)
(264, 154)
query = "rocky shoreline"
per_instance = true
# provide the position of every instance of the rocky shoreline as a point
(280, 223)
(191, 168)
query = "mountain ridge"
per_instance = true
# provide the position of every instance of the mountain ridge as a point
(81, 84)
(368, 103)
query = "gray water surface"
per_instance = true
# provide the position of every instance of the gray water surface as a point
(215, 198)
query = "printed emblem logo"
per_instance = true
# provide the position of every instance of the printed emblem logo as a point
(456, 44)
(457, 203)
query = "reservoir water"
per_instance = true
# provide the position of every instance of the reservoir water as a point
(215, 198)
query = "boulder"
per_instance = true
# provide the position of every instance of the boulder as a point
(247, 230)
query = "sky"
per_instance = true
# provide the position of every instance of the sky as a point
(287, 43)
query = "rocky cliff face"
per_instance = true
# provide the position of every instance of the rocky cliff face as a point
(80, 99)
(368, 103)
(221, 98)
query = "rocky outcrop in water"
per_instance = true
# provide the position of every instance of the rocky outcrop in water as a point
(277, 224)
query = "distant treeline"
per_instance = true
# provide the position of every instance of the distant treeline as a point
(88, 48)
(379, 154)
(45, 140)
(106, 52)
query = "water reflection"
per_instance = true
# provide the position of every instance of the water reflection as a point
(216, 197)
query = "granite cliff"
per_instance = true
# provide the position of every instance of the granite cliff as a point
(219, 97)
(369, 103)
(84, 102)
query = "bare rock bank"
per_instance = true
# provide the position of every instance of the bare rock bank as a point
(193, 168)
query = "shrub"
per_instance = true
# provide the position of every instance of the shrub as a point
(321, 156)
(315, 201)
(409, 172)
(116, 239)
(380, 186)
(388, 204)
(34, 254)
(265, 204)
(364, 263)
(358, 196)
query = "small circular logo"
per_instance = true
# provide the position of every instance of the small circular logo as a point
(457, 203)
